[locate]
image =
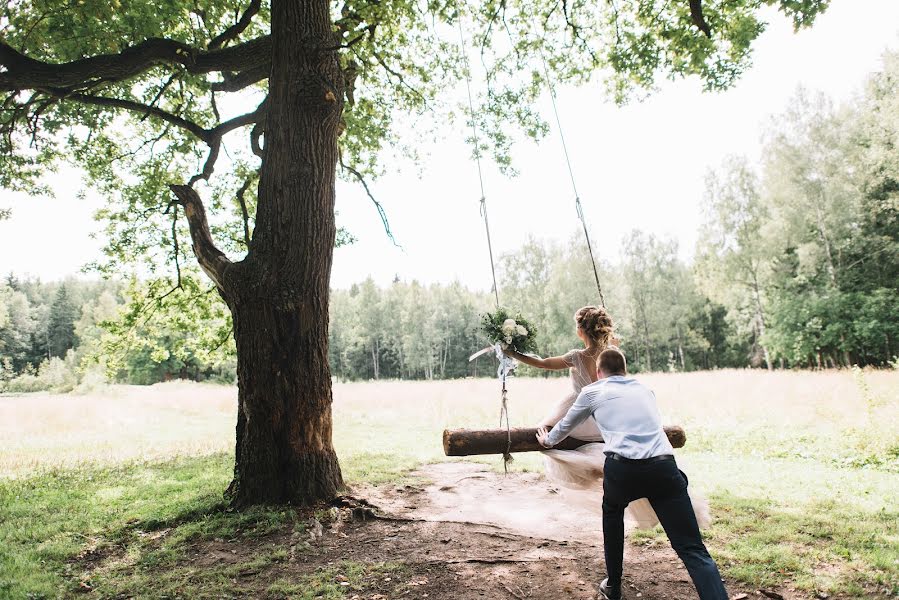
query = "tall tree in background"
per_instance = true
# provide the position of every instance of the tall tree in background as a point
(812, 193)
(525, 285)
(732, 248)
(141, 88)
(812, 240)
(637, 269)
(61, 328)
(370, 324)
(661, 299)
(828, 181)
(874, 260)
(17, 327)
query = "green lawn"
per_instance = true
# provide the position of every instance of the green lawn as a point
(801, 469)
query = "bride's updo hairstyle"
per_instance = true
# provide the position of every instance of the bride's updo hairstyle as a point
(596, 324)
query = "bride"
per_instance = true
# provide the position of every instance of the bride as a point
(581, 470)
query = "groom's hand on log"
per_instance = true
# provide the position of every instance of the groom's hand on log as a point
(541, 436)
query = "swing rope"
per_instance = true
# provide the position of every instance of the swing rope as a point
(477, 156)
(579, 208)
(504, 404)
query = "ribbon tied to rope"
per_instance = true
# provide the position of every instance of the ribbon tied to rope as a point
(506, 367)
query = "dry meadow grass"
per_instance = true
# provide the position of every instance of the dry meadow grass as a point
(734, 411)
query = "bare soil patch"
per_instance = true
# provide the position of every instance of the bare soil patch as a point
(464, 533)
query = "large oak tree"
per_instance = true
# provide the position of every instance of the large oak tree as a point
(144, 94)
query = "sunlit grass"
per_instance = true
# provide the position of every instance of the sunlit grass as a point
(801, 469)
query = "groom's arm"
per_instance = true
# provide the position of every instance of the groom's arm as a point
(579, 411)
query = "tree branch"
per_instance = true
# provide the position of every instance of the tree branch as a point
(190, 126)
(348, 45)
(255, 137)
(212, 260)
(381, 212)
(176, 250)
(248, 119)
(23, 72)
(162, 90)
(235, 30)
(698, 18)
(243, 209)
(576, 32)
(211, 136)
(243, 79)
(209, 165)
(399, 76)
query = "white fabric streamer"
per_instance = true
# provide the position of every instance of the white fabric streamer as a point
(507, 364)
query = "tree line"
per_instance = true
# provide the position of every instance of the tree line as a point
(74, 333)
(408, 330)
(52, 334)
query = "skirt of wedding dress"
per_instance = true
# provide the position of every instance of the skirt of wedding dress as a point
(579, 475)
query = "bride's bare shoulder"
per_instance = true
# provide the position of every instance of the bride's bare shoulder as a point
(575, 355)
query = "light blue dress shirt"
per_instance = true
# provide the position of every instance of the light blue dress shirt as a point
(626, 413)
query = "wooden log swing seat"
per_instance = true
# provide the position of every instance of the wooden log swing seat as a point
(473, 442)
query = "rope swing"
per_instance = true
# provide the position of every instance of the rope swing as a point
(579, 208)
(504, 405)
(504, 397)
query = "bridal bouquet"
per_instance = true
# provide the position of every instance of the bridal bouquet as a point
(515, 333)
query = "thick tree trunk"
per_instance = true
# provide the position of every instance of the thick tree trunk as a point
(279, 294)
(284, 452)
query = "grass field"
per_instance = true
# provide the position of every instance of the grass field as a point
(802, 468)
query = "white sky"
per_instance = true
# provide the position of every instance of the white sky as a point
(641, 166)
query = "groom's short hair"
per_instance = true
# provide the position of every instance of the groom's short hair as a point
(612, 362)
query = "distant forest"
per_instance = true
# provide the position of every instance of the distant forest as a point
(797, 266)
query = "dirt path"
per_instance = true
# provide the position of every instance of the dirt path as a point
(464, 533)
(485, 535)
(520, 503)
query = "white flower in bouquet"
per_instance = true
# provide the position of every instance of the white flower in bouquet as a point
(509, 329)
(521, 330)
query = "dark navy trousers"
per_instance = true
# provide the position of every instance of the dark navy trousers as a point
(666, 488)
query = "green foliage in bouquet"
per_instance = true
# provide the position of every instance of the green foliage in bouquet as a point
(512, 332)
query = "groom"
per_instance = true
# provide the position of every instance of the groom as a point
(639, 464)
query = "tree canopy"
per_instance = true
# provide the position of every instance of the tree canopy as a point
(142, 94)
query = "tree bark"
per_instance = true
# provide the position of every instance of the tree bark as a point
(471, 442)
(375, 351)
(760, 316)
(680, 349)
(279, 294)
(825, 241)
(641, 312)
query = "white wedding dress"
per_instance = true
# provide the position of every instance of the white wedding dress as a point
(579, 472)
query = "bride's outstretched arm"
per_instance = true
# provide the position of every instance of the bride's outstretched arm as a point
(553, 362)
